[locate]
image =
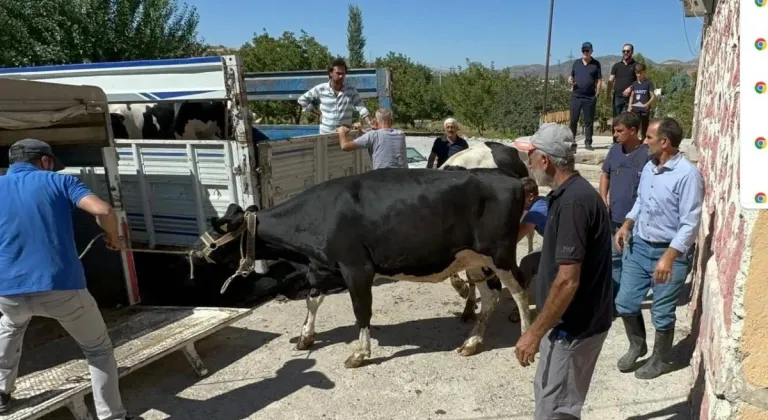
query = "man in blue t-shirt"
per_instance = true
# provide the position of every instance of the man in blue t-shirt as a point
(642, 97)
(620, 178)
(41, 273)
(534, 219)
(447, 145)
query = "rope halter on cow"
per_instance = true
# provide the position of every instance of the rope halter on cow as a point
(247, 259)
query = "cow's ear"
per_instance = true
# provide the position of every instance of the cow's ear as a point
(232, 211)
(252, 208)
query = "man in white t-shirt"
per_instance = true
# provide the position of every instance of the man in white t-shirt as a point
(385, 144)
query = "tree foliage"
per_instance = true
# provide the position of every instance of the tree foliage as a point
(471, 94)
(416, 95)
(46, 32)
(286, 53)
(355, 38)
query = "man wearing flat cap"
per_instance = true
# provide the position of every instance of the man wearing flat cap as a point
(41, 273)
(574, 290)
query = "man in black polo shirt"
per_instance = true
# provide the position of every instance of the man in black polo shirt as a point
(620, 81)
(586, 80)
(447, 145)
(574, 291)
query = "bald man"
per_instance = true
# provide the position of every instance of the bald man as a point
(447, 145)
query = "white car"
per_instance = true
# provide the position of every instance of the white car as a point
(415, 159)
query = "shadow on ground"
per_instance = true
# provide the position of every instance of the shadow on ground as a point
(244, 401)
(426, 335)
(679, 411)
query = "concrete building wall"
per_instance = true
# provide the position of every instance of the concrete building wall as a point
(730, 314)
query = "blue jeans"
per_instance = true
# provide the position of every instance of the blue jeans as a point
(616, 257)
(638, 263)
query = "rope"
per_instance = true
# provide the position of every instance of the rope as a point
(188, 254)
(246, 257)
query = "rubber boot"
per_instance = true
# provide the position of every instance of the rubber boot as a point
(655, 365)
(635, 328)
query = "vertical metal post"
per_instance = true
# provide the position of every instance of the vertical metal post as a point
(549, 44)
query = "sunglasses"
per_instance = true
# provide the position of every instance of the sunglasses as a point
(626, 51)
(585, 50)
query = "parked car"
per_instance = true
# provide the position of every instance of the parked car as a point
(415, 159)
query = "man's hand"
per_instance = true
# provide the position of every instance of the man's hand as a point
(357, 126)
(570, 80)
(343, 130)
(622, 237)
(114, 243)
(663, 271)
(527, 347)
(627, 91)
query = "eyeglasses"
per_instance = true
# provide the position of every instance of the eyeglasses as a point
(585, 50)
(627, 51)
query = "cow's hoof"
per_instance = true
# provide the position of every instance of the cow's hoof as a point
(468, 315)
(470, 346)
(355, 360)
(305, 343)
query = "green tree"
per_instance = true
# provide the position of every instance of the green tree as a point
(415, 94)
(75, 31)
(518, 104)
(286, 53)
(471, 94)
(355, 38)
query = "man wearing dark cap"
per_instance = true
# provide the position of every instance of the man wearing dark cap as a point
(574, 291)
(586, 80)
(41, 274)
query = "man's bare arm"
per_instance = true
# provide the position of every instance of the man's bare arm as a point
(604, 183)
(559, 298)
(525, 229)
(105, 216)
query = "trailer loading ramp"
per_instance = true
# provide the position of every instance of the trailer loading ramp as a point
(140, 334)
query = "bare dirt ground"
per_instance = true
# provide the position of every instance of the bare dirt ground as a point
(414, 372)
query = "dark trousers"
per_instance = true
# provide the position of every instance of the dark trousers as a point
(589, 105)
(644, 118)
(620, 104)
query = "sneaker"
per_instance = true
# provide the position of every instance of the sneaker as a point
(5, 400)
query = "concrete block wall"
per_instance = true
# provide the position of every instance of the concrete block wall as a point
(730, 277)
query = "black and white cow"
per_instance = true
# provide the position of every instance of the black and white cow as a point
(166, 121)
(418, 225)
(510, 161)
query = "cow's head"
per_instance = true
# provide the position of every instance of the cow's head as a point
(227, 241)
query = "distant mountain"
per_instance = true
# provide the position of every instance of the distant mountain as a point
(606, 61)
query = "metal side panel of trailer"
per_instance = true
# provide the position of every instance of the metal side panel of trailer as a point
(288, 167)
(171, 188)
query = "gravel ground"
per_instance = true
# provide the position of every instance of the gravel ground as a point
(414, 373)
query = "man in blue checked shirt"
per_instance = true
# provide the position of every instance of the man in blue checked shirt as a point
(663, 224)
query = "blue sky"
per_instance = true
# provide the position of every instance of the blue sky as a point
(443, 34)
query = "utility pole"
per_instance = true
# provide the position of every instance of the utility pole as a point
(549, 44)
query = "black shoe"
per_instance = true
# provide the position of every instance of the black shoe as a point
(5, 401)
(655, 366)
(589, 147)
(637, 347)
